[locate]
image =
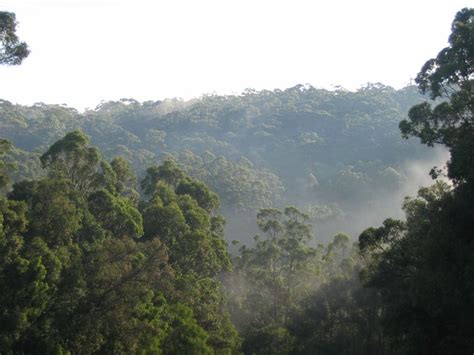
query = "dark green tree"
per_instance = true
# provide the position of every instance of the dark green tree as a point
(449, 76)
(126, 181)
(12, 50)
(77, 276)
(4, 177)
(178, 212)
(169, 172)
(74, 159)
(423, 267)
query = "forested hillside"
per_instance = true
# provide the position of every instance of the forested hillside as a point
(113, 221)
(332, 153)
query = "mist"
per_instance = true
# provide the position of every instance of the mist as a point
(376, 208)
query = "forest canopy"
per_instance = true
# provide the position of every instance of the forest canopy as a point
(214, 226)
(333, 154)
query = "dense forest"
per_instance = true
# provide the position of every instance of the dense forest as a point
(337, 155)
(271, 222)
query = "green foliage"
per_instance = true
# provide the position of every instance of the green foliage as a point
(376, 240)
(88, 267)
(289, 297)
(269, 340)
(12, 51)
(200, 192)
(73, 159)
(340, 318)
(449, 76)
(126, 182)
(186, 337)
(240, 185)
(77, 277)
(255, 150)
(169, 173)
(178, 214)
(4, 178)
(116, 214)
(423, 267)
(277, 266)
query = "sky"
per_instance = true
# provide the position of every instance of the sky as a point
(86, 51)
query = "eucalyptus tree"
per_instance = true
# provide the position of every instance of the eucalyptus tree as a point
(12, 50)
(82, 270)
(423, 267)
(181, 212)
(271, 277)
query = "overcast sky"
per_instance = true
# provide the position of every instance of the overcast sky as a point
(85, 51)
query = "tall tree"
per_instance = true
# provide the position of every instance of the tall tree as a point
(449, 76)
(178, 213)
(12, 50)
(423, 267)
(77, 276)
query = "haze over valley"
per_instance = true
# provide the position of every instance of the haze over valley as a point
(337, 155)
(270, 216)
